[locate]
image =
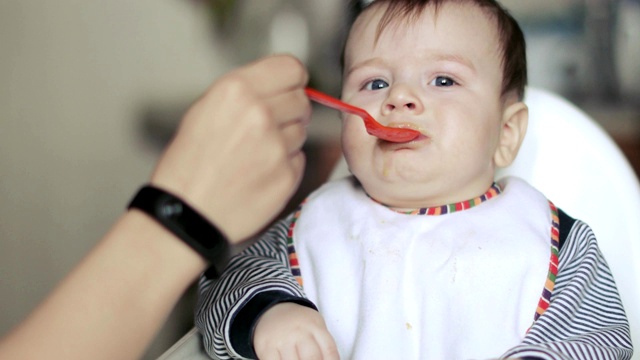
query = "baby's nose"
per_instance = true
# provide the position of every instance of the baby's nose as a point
(402, 99)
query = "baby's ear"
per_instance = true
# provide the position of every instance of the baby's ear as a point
(515, 119)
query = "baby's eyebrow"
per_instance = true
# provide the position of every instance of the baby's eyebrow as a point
(369, 62)
(453, 58)
(436, 57)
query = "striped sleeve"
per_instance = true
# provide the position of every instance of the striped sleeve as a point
(585, 319)
(263, 268)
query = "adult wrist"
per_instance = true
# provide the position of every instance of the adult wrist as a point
(186, 223)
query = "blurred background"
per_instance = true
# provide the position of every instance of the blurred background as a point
(90, 92)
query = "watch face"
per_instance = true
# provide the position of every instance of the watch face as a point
(184, 222)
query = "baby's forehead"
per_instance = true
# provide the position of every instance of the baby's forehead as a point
(387, 17)
(383, 20)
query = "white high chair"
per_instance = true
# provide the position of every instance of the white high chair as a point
(568, 157)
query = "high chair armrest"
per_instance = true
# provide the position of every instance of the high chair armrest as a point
(189, 347)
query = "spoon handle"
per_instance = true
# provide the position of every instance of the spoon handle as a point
(330, 101)
(373, 127)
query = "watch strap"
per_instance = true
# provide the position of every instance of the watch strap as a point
(183, 221)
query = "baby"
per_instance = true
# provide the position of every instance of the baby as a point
(420, 254)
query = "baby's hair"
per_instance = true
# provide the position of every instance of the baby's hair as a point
(511, 38)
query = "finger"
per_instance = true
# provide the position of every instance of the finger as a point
(294, 135)
(276, 74)
(327, 346)
(330, 353)
(272, 354)
(291, 176)
(309, 350)
(290, 106)
(297, 163)
(289, 353)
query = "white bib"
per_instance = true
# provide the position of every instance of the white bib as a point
(392, 286)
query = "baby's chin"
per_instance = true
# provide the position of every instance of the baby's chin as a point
(397, 195)
(402, 194)
(397, 184)
(416, 193)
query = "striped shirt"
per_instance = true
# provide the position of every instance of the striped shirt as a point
(584, 319)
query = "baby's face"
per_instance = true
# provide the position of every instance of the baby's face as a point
(441, 75)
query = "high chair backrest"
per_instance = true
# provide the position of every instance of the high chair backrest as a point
(575, 163)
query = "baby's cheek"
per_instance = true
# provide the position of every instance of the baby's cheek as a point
(355, 136)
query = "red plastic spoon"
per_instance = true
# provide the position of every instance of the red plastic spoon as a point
(374, 128)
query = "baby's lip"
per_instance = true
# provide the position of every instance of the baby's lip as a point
(412, 126)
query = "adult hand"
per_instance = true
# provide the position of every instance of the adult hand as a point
(291, 331)
(236, 156)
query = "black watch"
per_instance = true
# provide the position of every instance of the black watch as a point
(183, 221)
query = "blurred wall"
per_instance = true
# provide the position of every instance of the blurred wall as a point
(75, 77)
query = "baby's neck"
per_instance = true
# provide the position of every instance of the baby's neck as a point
(492, 192)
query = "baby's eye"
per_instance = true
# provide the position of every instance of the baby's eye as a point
(443, 81)
(376, 84)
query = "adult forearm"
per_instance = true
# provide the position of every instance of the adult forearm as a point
(113, 303)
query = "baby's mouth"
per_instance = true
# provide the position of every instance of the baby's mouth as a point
(406, 125)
